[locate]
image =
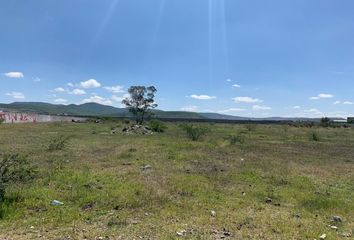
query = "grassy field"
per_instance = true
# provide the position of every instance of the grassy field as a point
(277, 184)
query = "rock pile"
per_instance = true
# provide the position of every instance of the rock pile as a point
(137, 129)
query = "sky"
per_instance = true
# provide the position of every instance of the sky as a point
(240, 57)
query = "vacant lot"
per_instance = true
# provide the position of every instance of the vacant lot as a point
(264, 182)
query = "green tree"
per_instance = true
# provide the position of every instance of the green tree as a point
(140, 101)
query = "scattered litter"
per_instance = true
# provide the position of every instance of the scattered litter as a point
(56, 203)
(333, 227)
(181, 233)
(323, 236)
(146, 167)
(213, 213)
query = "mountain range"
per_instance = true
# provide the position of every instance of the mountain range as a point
(98, 110)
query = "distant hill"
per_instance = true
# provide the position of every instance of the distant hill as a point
(89, 109)
(98, 110)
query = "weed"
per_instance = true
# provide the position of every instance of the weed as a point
(315, 137)
(236, 139)
(157, 126)
(251, 127)
(195, 132)
(14, 168)
(57, 143)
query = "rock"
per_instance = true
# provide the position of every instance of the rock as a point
(297, 215)
(213, 213)
(347, 235)
(268, 200)
(336, 219)
(333, 227)
(137, 129)
(323, 236)
(243, 194)
(56, 203)
(146, 167)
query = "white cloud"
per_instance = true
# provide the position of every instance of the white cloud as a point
(91, 83)
(97, 99)
(190, 108)
(296, 107)
(348, 103)
(119, 98)
(60, 100)
(202, 97)
(36, 79)
(246, 100)
(236, 86)
(78, 92)
(260, 108)
(337, 102)
(71, 84)
(16, 95)
(321, 96)
(59, 89)
(232, 110)
(228, 80)
(14, 75)
(115, 89)
(313, 112)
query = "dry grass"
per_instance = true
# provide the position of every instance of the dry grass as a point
(107, 193)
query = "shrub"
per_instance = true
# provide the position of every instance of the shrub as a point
(157, 126)
(2, 120)
(251, 127)
(315, 137)
(14, 168)
(57, 143)
(235, 139)
(195, 132)
(325, 122)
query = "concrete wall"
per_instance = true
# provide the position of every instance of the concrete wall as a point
(12, 117)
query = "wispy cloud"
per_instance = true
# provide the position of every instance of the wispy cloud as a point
(36, 79)
(322, 96)
(59, 90)
(232, 110)
(337, 102)
(296, 107)
(260, 108)
(190, 108)
(16, 95)
(348, 103)
(115, 89)
(77, 92)
(202, 97)
(14, 75)
(246, 100)
(228, 80)
(91, 83)
(119, 98)
(236, 86)
(60, 100)
(97, 99)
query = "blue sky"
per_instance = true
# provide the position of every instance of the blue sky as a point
(248, 58)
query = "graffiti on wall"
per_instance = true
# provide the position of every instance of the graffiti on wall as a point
(8, 117)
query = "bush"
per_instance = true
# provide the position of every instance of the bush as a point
(251, 127)
(195, 132)
(14, 168)
(315, 137)
(235, 139)
(2, 120)
(157, 126)
(57, 143)
(325, 122)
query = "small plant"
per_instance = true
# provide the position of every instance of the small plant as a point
(251, 127)
(325, 122)
(315, 137)
(195, 132)
(157, 126)
(57, 143)
(2, 120)
(236, 139)
(14, 168)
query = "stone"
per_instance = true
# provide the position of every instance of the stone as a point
(146, 167)
(336, 219)
(181, 233)
(334, 227)
(268, 200)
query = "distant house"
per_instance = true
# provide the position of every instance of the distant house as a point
(350, 120)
